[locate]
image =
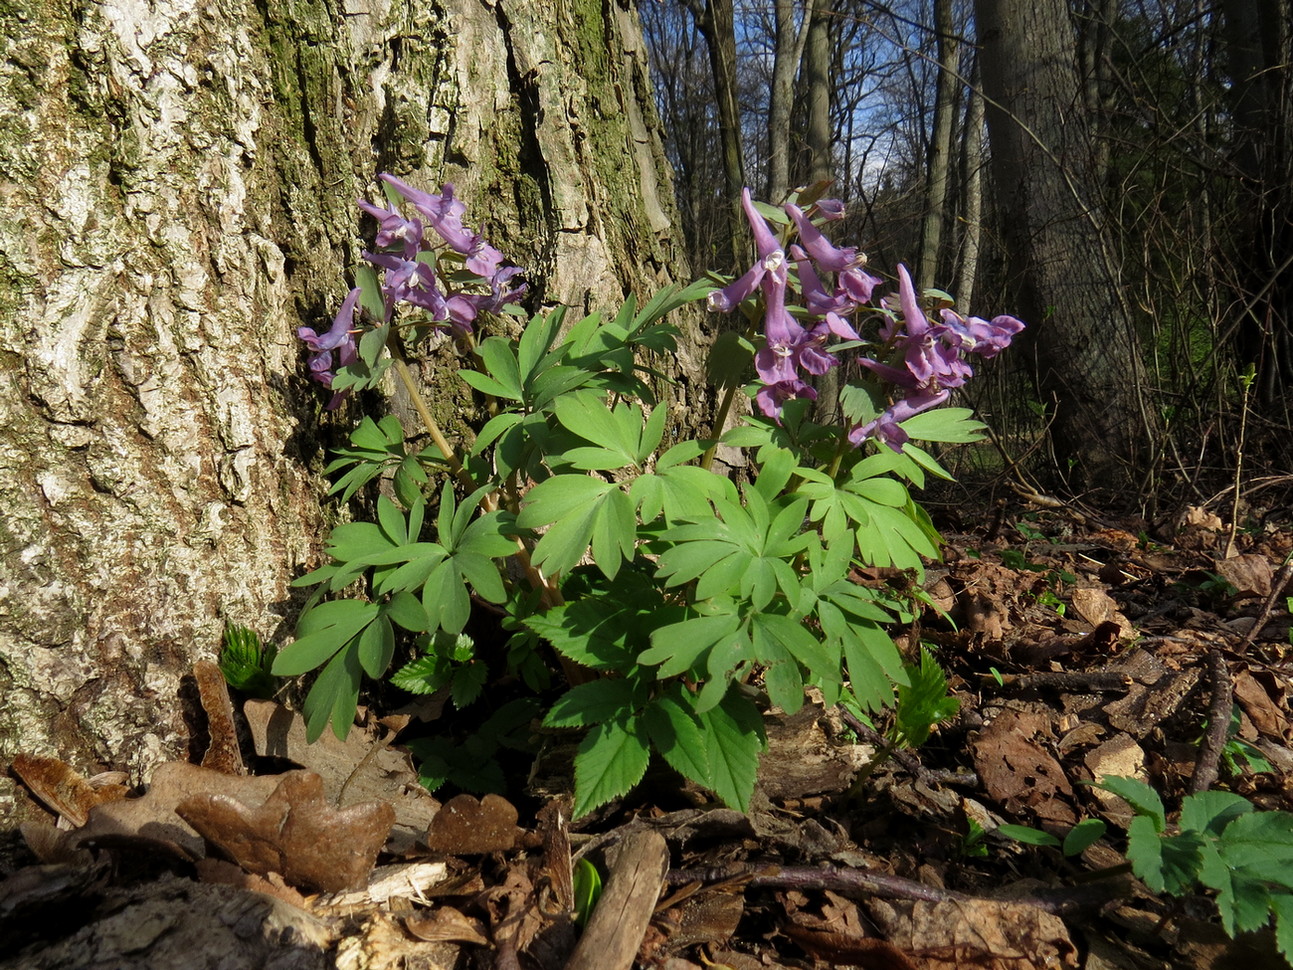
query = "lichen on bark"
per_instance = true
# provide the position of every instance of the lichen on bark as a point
(180, 186)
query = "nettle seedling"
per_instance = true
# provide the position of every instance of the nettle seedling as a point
(677, 601)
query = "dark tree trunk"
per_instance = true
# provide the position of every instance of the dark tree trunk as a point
(1081, 335)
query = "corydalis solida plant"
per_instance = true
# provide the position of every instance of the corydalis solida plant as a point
(667, 591)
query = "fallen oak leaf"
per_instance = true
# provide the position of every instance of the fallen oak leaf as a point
(295, 833)
(465, 826)
(62, 788)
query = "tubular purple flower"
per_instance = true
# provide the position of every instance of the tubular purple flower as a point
(771, 397)
(764, 241)
(394, 230)
(408, 281)
(828, 257)
(338, 334)
(830, 209)
(887, 428)
(979, 336)
(443, 213)
(858, 285)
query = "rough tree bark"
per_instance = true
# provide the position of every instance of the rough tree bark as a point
(939, 163)
(1081, 333)
(179, 198)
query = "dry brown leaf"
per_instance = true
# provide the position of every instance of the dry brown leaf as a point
(838, 949)
(361, 768)
(1097, 607)
(465, 826)
(1250, 574)
(296, 833)
(228, 874)
(61, 788)
(978, 933)
(707, 917)
(1123, 757)
(152, 815)
(222, 752)
(446, 924)
(52, 845)
(1019, 773)
(1258, 704)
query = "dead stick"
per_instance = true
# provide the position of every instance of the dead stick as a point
(1219, 711)
(1097, 680)
(1060, 900)
(618, 925)
(1280, 581)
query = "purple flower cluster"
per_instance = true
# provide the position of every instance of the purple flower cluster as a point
(933, 357)
(405, 253)
(790, 346)
(932, 353)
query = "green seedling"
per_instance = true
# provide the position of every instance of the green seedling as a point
(246, 662)
(588, 890)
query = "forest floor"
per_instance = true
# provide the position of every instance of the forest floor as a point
(1075, 652)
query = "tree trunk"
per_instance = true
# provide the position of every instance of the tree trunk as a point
(940, 144)
(180, 198)
(1081, 335)
(717, 22)
(1259, 46)
(788, 54)
(972, 162)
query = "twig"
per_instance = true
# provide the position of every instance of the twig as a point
(1278, 585)
(1219, 711)
(1062, 900)
(1098, 680)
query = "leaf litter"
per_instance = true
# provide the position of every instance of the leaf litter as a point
(1073, 657)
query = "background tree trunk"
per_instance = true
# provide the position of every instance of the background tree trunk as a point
(939, 164)
(1085, 350)
(179, 199)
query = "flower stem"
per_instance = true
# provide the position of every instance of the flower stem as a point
(720, 419)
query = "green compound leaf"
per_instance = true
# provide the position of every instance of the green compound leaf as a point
(573, 506)
(1143, 799)
(321, 632)
(1083, 835)
(612, 758)
(592, 703)
(376, 646)
(334, 696)
(1212, 811)
(945, 424)
(675, 731)
(922, 703)
(733, 733)
(1028, 835)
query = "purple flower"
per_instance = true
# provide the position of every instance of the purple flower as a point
(771, 397)
(769, 270)
(828, 257)
(442, 212)
(830, 209)
(887, 429)
(408, 281)
(979, 336)
(341, 338)
(394, 230)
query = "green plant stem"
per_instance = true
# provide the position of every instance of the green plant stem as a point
(432, 428)
(549, 592)
(707, 459)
